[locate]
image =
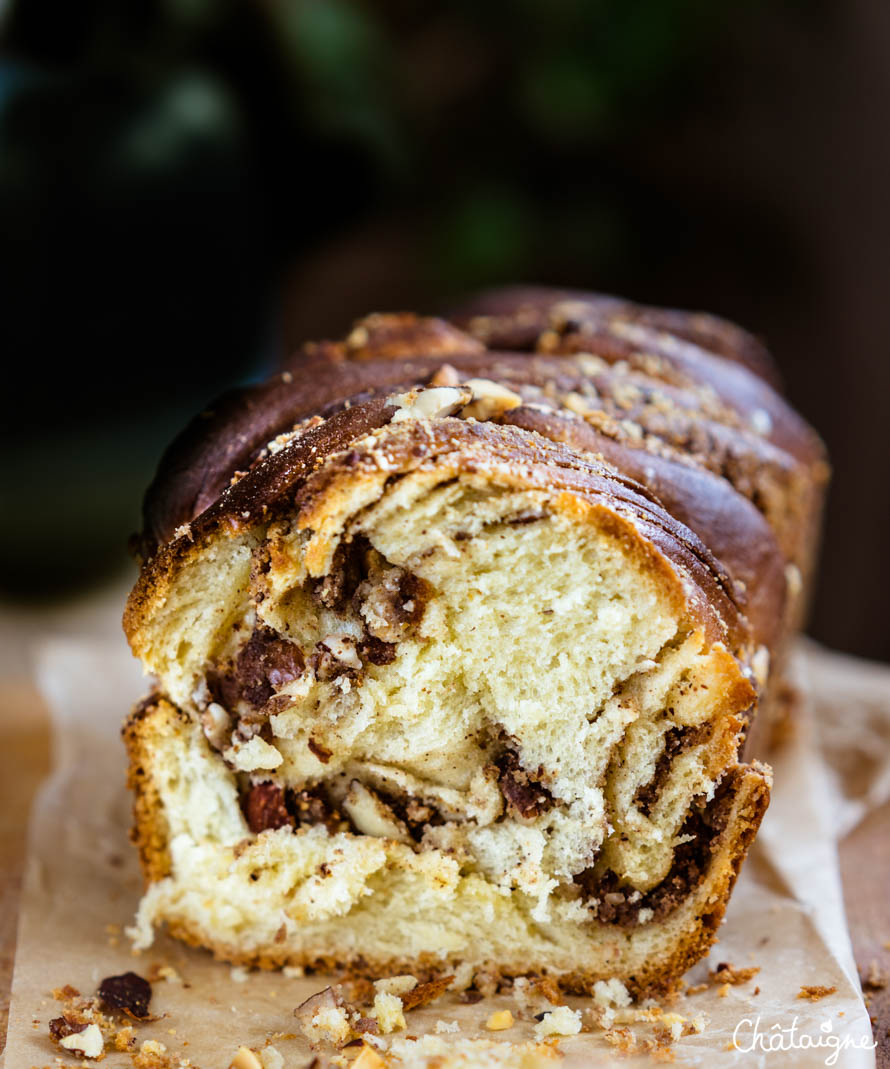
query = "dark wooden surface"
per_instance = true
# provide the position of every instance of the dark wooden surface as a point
(24, 761)
(865, 867)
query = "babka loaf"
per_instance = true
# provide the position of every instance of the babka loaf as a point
(460, 629)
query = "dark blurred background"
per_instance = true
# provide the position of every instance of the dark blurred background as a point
(188, 188)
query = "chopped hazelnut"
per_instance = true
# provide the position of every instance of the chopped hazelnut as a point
(490, 399)
(271, 1058)
(342, 646)
(445, 376)
(216, 725)
(89, 1042)
(368, 1059)
(371, 816)
(433, 403)
(128, 992)
(245, 1058)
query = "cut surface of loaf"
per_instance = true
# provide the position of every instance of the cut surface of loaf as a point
(455, 669)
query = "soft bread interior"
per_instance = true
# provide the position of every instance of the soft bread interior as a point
(499, 701)
(306, 896)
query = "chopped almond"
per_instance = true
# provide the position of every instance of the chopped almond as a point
(368, 1059)
(245, 1058)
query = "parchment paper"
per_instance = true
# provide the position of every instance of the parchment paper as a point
(786, 916)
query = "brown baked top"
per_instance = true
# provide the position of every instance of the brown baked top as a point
(673, 413)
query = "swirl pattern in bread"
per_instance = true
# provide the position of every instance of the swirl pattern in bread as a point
(459, 646)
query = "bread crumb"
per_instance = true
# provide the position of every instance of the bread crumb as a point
(447, 1026)
(433, 1052)
(609, 997)
(164, 972)
(674, 1023)
(330, 1022)
(499, 1020)
(814, 992)
(559, 1022)
(152, 1055)
(607, 993)
(63, 994)
(426, 993)
(535, 995)
(239, 974)
(727, 973)
(463, 977)
(396, 985)
(125, 1039)
(622, 1038)
(387, 1011)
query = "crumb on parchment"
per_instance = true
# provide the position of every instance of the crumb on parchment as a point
(727, 973)
(814, 992)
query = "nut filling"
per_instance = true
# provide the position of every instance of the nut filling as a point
(268, 806)
(264, 663)
(378, 605)
(307, 707)
(468, 708)
(613, 903)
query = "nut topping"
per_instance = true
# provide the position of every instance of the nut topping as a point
(432, 403)
(490, 399)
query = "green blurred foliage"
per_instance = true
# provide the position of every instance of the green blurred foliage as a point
(163, 163)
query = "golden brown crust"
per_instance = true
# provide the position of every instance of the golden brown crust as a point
(514, 317)
(669, 400)
(150, 832)
(733, 529)
(735, 423)
(299, 477)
